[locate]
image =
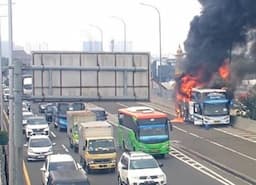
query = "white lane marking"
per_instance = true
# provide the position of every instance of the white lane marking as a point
(195, 135)
(52, 133)
(235, 135)
(122, 104)
(198, 166)
(180, 129)
(217, 144)
(64, 147)
(231, 150)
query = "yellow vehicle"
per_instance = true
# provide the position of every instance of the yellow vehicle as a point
(96, 146)
(74, 118)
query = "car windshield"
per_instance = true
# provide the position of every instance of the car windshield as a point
(63, 108)
(101, 146)
(62, 165)
(42, 142)
(28, 86)
(37, 121)
(26, 116)
(100, 115)
(143, 164)
(49, 108)
(78, 106)
(6, 91)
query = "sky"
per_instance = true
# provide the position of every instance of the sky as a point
(64, 24)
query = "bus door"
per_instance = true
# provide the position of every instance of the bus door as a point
(198, 117)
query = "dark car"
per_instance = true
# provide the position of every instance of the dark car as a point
(68, 177)
(60, 117)
(101, 114)
(49, 112)
(42, 107)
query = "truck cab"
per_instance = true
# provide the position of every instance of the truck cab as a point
(96, 146)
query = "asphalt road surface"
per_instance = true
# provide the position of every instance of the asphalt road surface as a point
(199, 157)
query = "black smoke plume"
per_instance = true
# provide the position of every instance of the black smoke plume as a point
(222, 25)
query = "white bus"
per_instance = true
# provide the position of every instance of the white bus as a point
(208, 107)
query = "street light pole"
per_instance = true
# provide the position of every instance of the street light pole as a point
(160, 39)
(11, 162)
(101, 34)
(122, 20)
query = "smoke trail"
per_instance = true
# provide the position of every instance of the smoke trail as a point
(221, 25)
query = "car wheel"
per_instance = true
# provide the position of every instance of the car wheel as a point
(70, 143)
(119, 181)
(82, 162)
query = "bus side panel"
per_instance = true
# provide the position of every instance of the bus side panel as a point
(125, 141)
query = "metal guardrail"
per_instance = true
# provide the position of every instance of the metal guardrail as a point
(3, 166)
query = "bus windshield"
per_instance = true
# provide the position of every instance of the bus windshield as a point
(216, 109)
(153, 130)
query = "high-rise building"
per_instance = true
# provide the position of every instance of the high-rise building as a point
(119, 46)
(92, 46)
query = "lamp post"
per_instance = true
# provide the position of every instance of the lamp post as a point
(101, 34)
(160, 44)
(122, 20)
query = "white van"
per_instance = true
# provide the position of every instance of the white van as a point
(27, 86)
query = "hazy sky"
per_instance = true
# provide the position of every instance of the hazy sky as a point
(64, 24)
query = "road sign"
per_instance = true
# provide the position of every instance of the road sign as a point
(90, 76)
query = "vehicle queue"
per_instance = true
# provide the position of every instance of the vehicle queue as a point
(95, 149)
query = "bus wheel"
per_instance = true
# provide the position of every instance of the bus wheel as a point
(162, 156)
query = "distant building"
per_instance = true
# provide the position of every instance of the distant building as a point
(92, 46)
(166, 68)
(118, 46)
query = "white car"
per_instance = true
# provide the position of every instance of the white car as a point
(57, 162)
(25, 116)
(39, 147)
(36, 125)
(6, 94)
(139, 168)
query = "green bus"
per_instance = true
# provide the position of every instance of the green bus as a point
(142, 128)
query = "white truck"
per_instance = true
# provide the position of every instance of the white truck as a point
(96, 146)
(74, 118)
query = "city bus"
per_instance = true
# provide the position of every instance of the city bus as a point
(144, 129)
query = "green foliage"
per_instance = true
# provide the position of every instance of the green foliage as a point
(3, 138)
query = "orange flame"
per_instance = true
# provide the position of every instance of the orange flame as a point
(188, 81)
(224, 70)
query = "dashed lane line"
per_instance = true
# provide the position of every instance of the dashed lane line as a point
(235, 135)
(65, 148)
(180, 129)
(231, 150)
(52, 133)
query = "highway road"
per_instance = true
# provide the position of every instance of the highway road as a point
(199, 156)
